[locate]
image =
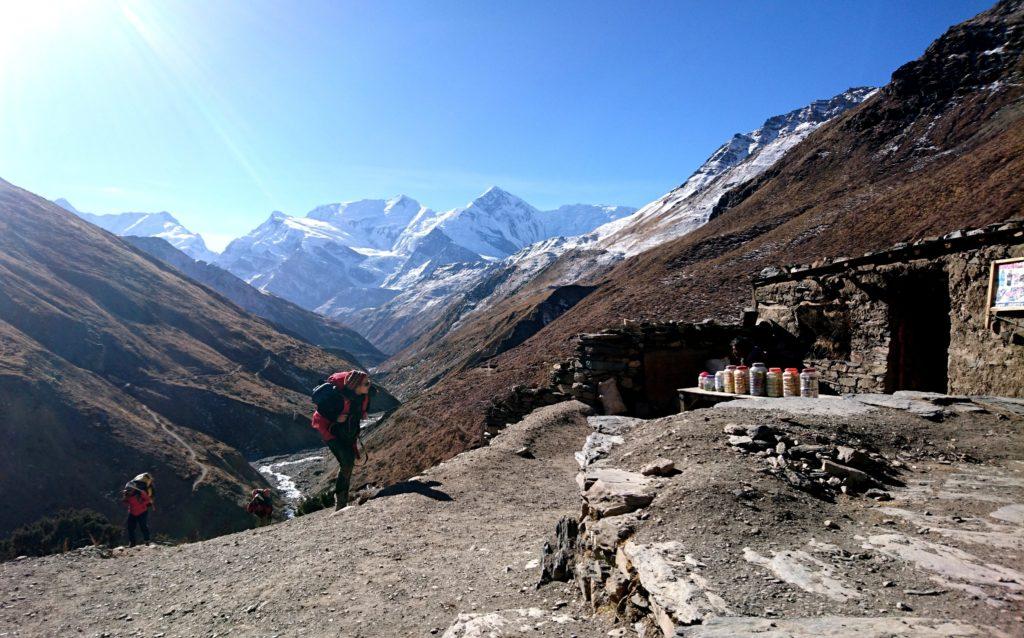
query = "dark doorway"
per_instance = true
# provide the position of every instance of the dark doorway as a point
(919, 328)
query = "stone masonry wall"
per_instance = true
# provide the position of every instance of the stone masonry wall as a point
(842, 317)
(982, 360)
(649, 362)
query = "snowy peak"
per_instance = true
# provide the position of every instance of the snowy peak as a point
(371, 223)
(494, 225)
(739, 160)
(795, 124)
(162, 225)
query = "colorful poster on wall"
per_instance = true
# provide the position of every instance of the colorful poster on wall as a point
(1008, 283)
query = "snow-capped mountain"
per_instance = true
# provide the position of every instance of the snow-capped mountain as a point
(494, 225)
(309, 262)
(343, 258)
(738, 161)
(373, 223)
(580, 219)
(162, 225)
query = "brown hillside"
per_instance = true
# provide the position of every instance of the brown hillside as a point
(940, 147)
(112, 363)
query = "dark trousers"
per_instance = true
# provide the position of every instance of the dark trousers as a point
(140, 521)
(342, 450)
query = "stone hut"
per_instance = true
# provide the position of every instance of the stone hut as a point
(913, 317)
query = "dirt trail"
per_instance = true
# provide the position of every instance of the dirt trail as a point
(460, 539)
(204, 470)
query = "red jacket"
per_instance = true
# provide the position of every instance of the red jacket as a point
(320, 423)
(138, 502)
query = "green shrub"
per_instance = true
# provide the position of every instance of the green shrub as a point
(64, 531)
(316, 502)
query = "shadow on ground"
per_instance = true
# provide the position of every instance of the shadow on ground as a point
(423, 488)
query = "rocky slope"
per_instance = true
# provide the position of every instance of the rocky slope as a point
(311, 327)
(939, 148)
(161, 225)
(112, 363)
(666, 530)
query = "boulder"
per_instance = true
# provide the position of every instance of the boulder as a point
(611, 491)
(852, 457)
(607, 533)
(761, 433)
(659, 467)
(749, 444)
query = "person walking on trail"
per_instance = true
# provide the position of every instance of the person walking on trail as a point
(136, 497)
(261, 506)
(341, 404)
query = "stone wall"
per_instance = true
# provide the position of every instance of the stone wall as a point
(648, 361)
(843, 313)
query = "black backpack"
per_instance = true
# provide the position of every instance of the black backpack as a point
(329, 400)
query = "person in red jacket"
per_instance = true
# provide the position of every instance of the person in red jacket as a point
(341, 435)
(139, 502)
(261, 506)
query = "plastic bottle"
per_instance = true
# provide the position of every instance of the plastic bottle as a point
(758, 379)
(773, 382)
(809, 383)
(702, 381)
(720, 381)
(790, 383)
(709, 382)
(741, 379)
(730, 379)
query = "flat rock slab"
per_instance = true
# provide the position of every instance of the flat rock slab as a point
(973, 531)
(677, 598)
(612, 424)
(925, 409)
(1011, 514)
(597, 446)
(799, 568)
(1004, 404)
(611, 491)
(839, 627)
(949, 563)
(822, 406)
(509, 622)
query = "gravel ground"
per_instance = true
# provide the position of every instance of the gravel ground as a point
(459, 539)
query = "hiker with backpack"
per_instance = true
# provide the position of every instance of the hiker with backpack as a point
(261, 506)
(341, 404)
(137, 496)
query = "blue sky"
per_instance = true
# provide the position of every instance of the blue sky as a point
(221, 112)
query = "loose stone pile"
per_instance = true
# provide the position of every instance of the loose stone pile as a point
(823, 467)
